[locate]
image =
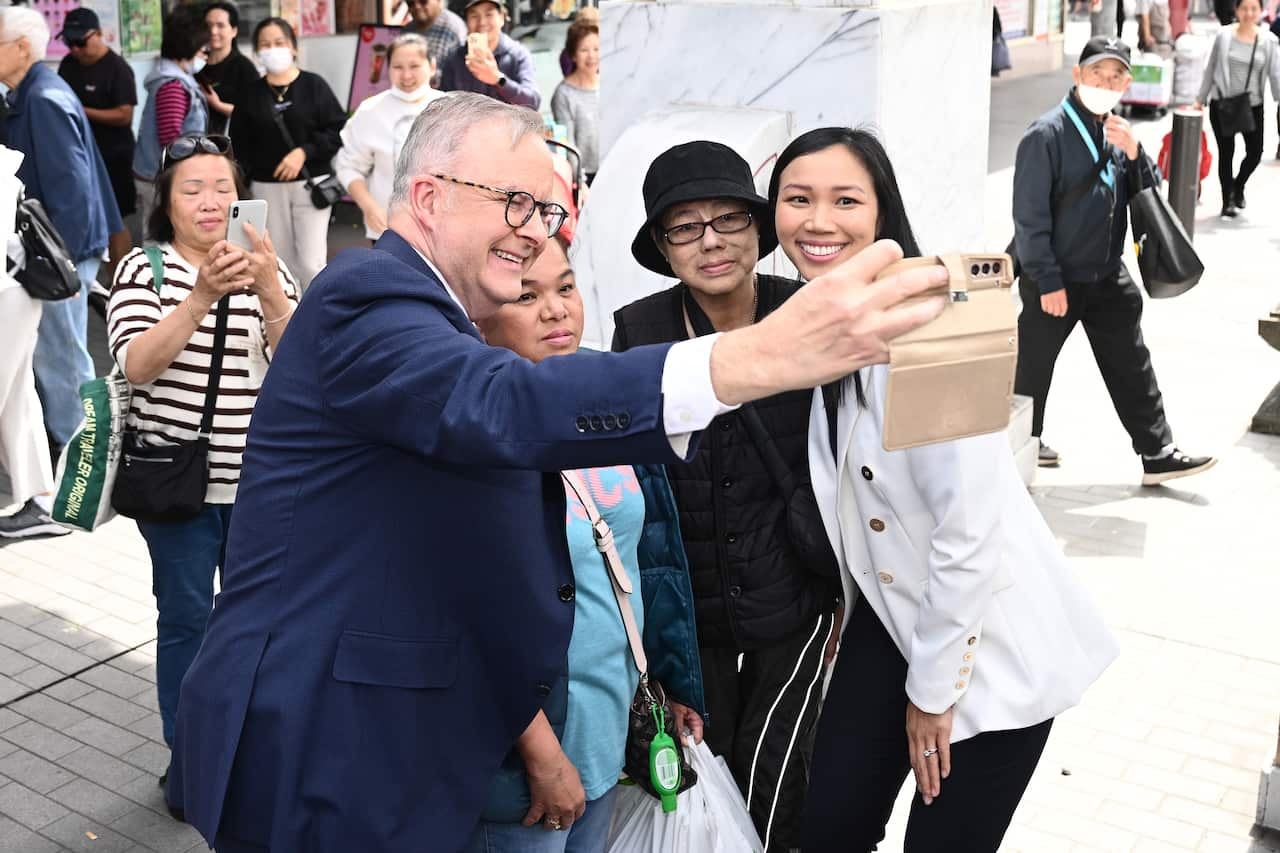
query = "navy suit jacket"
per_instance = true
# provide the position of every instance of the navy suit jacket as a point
(389, 621)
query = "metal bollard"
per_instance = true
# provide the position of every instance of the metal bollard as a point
(1184, 166)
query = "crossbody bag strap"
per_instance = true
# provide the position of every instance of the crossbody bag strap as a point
(156, 257)
(781, 475)
(278, 117)
(1248, 75)
(215, 367)
(618, 578)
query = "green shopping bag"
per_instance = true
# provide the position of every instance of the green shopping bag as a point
(87, 469)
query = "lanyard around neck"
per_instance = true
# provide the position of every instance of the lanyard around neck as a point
(1108, 174)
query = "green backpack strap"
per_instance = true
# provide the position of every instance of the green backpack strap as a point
(157, 266)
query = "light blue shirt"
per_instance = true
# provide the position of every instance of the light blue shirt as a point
(602, 674)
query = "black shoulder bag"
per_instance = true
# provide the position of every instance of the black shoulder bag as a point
(1235, 113)
(324, 194)
(166, 482)
(805, 529)
(48, 272)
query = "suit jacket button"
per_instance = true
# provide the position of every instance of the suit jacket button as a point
(596, 423)
(624, 420)
(567, 592)
(885, 577)
(877, 525)
(610, 422)
(866, 473)
(543, 689)
(581, 423)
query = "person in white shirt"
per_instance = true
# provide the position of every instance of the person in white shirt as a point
(373, 137)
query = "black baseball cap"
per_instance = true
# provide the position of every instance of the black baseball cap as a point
(1099, 48)
(693, 171)
(79, 23)
(470, 3)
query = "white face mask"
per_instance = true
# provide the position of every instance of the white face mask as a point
(197, 65)
(275, 59)
(410, 97)
(1098, 101)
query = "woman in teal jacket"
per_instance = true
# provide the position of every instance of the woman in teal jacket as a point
(555, 791)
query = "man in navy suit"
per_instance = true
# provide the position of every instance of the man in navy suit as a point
(397, 592)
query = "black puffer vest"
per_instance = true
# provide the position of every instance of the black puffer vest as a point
(750, 588)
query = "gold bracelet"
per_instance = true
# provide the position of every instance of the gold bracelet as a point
(191, 313)
(279, 319)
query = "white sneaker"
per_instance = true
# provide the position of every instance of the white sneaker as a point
(31, 520)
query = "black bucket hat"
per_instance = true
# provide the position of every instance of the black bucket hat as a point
(692, 171)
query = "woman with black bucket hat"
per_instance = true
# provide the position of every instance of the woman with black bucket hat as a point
(765, 580)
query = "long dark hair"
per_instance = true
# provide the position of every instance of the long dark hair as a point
(892, 220)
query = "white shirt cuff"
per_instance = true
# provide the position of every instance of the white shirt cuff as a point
(688, 399)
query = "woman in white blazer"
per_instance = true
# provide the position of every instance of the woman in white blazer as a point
(967, 632)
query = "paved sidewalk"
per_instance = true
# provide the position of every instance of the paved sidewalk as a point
(1163, 755)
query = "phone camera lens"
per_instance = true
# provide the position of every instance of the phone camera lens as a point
(973, 270)
(986, 269)
(995, 268)
(235, 213)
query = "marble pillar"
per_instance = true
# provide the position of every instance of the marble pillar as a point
(755, 73)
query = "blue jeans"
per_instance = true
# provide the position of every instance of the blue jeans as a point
(184, 556)
(587, 835)
(62, 359)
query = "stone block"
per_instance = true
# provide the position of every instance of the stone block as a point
(27, 807)
(35, 772)
(95, 801)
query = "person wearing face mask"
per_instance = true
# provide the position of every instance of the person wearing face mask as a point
(372, 138)
(278, 167)
(764, 603)
(175, 102)
(1077, 166)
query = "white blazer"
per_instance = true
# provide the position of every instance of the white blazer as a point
(947, 547)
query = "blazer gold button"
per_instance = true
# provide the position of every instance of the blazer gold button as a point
(973, 640)
(866, 473)
(968, 655)
(877, 525)
(885, 577)
(964, 670)
(959, 685)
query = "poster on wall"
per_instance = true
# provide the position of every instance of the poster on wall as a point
(317, 18)
(1015, 17)
(369, 76)
(352, 13)
(395, 13)
(55, 11)
(140, 28)
(287, 9)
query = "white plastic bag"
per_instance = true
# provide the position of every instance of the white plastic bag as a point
(710, 817)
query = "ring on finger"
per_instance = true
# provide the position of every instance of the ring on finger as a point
(553, 822)
(930, 752)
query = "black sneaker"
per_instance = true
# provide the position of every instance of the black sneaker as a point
(1048, 458)
(1230, 211)
(31, 520)
(1240, 205)
(1176, 464)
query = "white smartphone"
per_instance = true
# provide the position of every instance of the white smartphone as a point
(253, 211)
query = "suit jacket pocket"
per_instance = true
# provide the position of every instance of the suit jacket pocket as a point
(388, 661)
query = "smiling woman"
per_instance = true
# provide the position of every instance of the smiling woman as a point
(161, 334)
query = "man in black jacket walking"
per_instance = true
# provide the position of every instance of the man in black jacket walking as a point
(1076, 168)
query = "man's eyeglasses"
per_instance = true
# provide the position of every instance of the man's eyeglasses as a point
(727, 223)
(521, 206)
(185, 146)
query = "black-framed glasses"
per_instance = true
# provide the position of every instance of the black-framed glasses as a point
(725, 223)
(185, 146)
(521, 206)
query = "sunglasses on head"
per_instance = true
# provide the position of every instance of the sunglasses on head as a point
(186, 146)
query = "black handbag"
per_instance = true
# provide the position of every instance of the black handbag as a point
(324, 193)
(650, 704)
(48, 273)
(1235, 113)
(166, 482)
(1167, 259)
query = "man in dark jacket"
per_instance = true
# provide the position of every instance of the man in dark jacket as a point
(1077, 167)
(63, 169)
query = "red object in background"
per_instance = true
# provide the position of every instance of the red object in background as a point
(1179, 17)
(1165, 161)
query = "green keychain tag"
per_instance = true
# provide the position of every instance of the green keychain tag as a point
(664, 763)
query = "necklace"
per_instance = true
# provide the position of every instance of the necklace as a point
(280, 91)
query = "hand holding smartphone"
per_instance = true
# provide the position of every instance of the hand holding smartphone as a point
(252, 211)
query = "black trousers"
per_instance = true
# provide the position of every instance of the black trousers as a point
(1227, 151)
(762, 720)
(1111, 312)
(860, 761)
